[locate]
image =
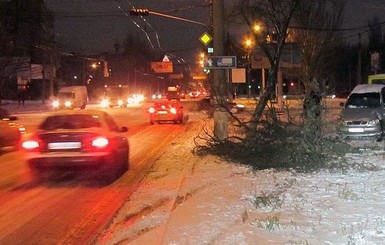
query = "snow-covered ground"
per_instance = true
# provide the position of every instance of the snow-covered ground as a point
(187, 199)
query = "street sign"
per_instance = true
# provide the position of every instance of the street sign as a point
(162, 67)
(205, 38)
(220, 62)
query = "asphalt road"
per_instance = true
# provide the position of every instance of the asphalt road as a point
(71, 208)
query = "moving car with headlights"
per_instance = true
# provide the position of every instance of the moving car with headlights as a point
(114, 96)
(363, 113)
(77, 140)
(166, 111)
(173, 93)
(10, 130)
(71, 97)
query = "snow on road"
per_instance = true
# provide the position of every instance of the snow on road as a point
(188, 199)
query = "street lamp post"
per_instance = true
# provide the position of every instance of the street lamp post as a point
(249, 74)
(249, 46)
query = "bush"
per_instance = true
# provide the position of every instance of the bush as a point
(278, 146)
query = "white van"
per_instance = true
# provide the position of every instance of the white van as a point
(363, 114)
(71, 97)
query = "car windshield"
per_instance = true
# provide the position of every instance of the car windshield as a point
(115, 93)
(364, 100)
(70, 122)
(65, 95)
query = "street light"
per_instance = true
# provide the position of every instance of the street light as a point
(249, 44)
(257, 28)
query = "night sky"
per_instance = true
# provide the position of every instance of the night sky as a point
(93, 26)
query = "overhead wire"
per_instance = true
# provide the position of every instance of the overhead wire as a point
(136, 24)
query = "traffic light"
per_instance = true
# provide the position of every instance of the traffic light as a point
(135, 11)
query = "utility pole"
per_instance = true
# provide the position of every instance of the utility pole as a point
(220, 93)
(359, 59)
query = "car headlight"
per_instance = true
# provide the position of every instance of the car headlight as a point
(105, 103)
(68, 103)
(55, 103)
(374, 122)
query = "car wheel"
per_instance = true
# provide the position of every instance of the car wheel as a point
(108, 172)
(37, 174)
(124, 165)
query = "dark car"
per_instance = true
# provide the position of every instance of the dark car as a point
(166, 111)
(206, 105)
(114, 96)
(78, 140)
(10, 129)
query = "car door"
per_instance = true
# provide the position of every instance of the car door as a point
(119, 138)
(9, 133)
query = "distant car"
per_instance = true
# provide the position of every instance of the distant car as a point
(194, 94)
(113, 102)
(135, 99)
(363, 113)
(206, 105)
(71, 97)
(10, 130)
(77, 140)
(166, 111)
(157, 96)
(114, 96)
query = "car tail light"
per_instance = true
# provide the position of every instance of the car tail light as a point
(173, 110)
(100, 142)
(30, 144)
(151, 110)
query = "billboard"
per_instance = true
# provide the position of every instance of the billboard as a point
(162, 67)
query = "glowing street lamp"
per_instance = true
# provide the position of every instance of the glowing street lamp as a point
(257, 28)
(249, 44)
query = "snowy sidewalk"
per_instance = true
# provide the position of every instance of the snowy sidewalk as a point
(14, 107)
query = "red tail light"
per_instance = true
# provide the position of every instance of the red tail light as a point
(173, 110)
(30, 144)
(100, 142)
(151, 110)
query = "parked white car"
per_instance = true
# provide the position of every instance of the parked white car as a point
(363, 113)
